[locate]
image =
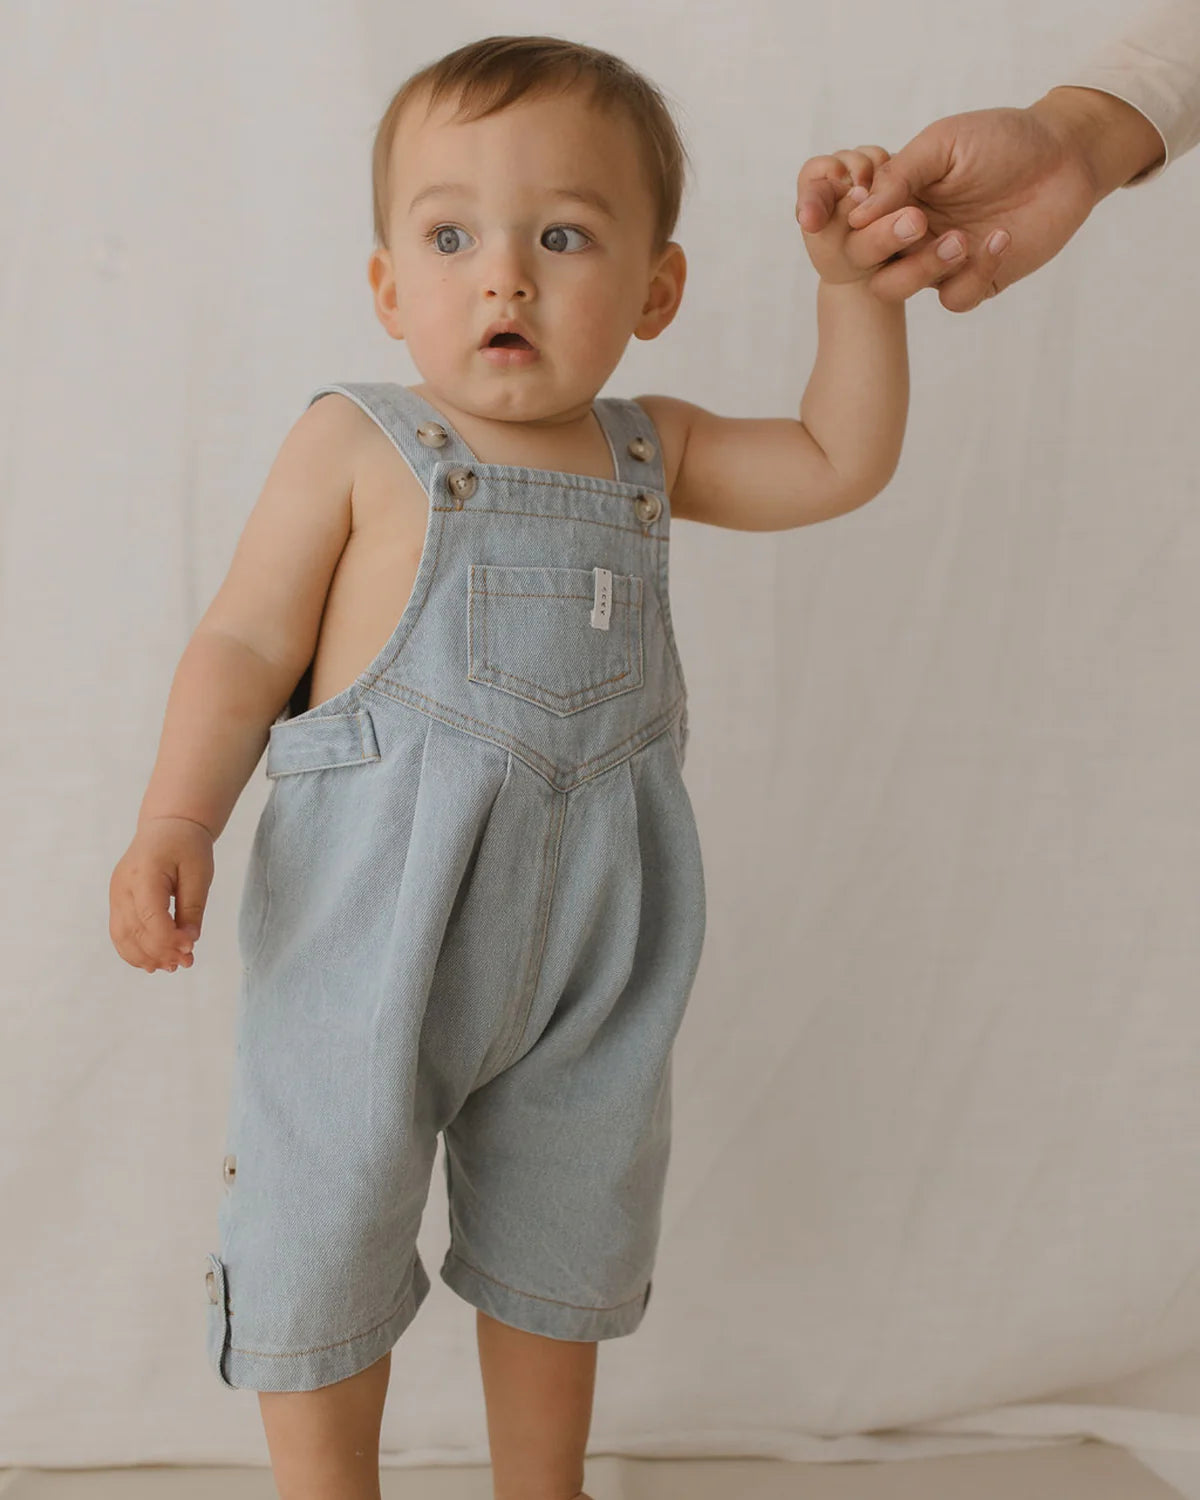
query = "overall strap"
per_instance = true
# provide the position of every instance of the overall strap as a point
(411, 424)
(633, 439)
(424, 441)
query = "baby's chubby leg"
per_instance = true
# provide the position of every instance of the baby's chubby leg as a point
(324, 1444)
(539, 1409)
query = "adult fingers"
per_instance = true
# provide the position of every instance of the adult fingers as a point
(925, 160)
(888, 237)
(925, 267)
(982, 276)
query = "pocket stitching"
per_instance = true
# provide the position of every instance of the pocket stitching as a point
(633, 634)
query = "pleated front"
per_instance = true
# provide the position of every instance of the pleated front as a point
(474, 907)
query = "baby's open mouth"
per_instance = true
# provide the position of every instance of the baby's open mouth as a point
(508, 341)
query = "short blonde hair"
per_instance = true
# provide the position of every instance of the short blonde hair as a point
(489, 75)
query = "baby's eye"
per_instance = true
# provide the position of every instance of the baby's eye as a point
(436, 236)
(565, 229)
(447, 247)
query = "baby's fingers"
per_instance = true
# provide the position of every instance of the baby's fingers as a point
(147, 929)
(824, 180)
(191, 894)
(817, 201)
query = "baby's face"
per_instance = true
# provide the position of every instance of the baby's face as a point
(502, 242)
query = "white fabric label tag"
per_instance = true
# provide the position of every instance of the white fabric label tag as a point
(602, 604)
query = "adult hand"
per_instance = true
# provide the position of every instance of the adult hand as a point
(1013, 184)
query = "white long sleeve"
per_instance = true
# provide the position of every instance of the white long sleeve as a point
(1155, 66)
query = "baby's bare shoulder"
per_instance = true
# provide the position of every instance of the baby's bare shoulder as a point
(335, 424)
(274, 592)
(384, 492)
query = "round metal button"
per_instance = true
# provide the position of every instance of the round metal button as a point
(640, 448)
(210, 1281)
(229, 1168)
(648, 507)
(462, 483)
(432, 434)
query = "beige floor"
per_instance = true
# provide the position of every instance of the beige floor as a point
(1084, 1471)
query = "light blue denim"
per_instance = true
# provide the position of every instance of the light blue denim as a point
(474, 905)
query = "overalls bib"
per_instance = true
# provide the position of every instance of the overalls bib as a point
(474, 906)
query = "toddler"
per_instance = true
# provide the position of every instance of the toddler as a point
(475, 904)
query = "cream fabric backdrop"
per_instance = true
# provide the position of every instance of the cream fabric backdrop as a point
(937, 1124)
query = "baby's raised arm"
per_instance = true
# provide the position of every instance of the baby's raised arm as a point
(238, 670)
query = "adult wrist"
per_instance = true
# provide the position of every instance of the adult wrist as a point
(1113, 141)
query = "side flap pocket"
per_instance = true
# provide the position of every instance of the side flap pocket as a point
(218, 1317)
(320, 743)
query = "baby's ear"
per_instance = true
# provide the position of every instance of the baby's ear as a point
(665, 293)
(383, 288)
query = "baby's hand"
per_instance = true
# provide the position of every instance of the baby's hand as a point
(838, 183)
(168, 856)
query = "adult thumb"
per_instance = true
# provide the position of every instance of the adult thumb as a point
(925, 160)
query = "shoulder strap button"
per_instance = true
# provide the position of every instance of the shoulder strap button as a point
(648, 507)
(461, 483)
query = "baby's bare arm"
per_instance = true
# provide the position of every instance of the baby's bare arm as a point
(772, 473)
(221, 705)
(223, 700)
(855, 405)
(239, 669)
(769, 473)
(260, 631)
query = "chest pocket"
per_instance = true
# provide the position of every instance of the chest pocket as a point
(530, 633)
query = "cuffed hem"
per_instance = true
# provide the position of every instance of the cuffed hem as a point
(307, 1369)
(555, 1320)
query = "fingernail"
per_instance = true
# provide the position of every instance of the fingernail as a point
(905, 228)
(857, 194)
(950, 248)
(999, 241)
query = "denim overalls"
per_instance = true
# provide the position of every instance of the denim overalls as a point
(474, 905)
